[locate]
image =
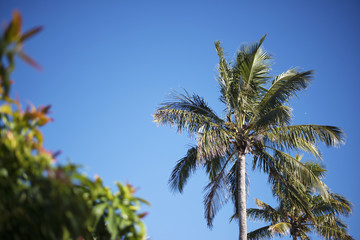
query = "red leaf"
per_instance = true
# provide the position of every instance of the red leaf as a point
(142, 215)
(30, 61)
(30, 33)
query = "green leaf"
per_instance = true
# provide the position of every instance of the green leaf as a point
(6, 109)
(111, 223)
(3, 172)
(99, 210)
(14, 28)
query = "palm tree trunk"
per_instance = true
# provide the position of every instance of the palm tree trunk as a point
(242, 198)
(294, 237)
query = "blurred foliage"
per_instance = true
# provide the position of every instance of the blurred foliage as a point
(39, 198)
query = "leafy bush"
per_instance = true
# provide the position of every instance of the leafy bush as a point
(42, 200)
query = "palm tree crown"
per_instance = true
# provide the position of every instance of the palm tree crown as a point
(289, 217)
(256, 121)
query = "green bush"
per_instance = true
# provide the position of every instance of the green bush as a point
(42, 200)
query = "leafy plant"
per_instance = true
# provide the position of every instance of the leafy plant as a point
(289, 218)
(256, 121)
(41, 199)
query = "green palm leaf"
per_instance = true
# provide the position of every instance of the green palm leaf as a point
(291, 217)
(279, 175)
(289, 136)
(212, 143)
(280, 228)
(277, 116)
(330, 232)
(187, 113)
(337, 204)
(252, 65)
(259, 234)
(216, 193)
(228, 89)
(215, 197)
(183, 170)
(266, 213)
(284, 86)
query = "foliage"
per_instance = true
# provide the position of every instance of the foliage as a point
(256, 121)
(41, 199)
(289, 218)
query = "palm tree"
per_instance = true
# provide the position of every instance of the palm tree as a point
(256, 121)
(288, 217)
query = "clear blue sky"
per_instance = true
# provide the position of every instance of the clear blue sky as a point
(108, 64)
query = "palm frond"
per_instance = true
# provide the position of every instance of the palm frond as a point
(228, 89)
(281, 228)
(215, 197)
(304, 236)
(340, 204)
(276, 175)
(316, 168)
(284, 86)
(259, 234)
(252, 66)
(290, 136)
(184, 121)
(258, 214)
(216, 193)
(298, 171)
(187, 113)
(232, 181)
(213, 166)
(212, 142)
(336, 205)
(183, 169)
(192, 103)
(332, 220)
(263, 205)
(266, 213)
(333, 232)
(278, 116)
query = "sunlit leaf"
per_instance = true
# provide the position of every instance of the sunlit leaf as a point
(6, 109)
